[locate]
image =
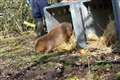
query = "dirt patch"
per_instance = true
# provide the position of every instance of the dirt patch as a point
(19, 62)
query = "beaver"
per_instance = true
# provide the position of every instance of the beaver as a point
(61, 32)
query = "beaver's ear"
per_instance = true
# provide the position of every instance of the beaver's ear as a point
(69, 30)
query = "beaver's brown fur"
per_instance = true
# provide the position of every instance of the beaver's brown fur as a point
(61, 32)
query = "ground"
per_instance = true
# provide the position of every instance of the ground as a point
(18, 61)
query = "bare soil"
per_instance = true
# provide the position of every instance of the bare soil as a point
(19, 62)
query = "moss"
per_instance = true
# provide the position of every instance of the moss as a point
(118, 76)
